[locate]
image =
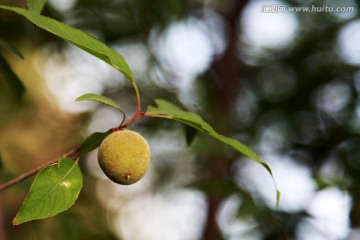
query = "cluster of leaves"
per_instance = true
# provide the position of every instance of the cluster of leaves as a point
(56, 187)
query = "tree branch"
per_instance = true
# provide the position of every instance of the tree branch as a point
(224, 93)
(34, 171)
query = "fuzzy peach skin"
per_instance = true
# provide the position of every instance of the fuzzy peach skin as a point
(124, 156)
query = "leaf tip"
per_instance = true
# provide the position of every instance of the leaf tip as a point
(15, 221)
(278, 196)
(79, 99)
(85, 97)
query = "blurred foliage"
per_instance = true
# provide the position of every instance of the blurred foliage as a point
(289, 92)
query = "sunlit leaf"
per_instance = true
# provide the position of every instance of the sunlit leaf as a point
(8, 46)
(36, 5)
(54, 190)
(170, 111)
(78, 38)
(100, 99)
(92, 141)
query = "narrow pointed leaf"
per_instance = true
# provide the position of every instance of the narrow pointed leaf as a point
(54, 190)
(92, 141)
(36, 5)
(8, 46)
(100, 99)
(170, 111)
(78, 38)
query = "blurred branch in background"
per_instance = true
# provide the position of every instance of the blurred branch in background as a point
(224, 85)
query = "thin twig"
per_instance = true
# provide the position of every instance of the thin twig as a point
(76, 150)
(34, 171)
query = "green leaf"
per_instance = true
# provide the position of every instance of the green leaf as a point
(173, 112)
(54, 190)
(11, 86)
(8, 46)
(78, 38)
(170, 111)
(100, 99)
(92, 141)
(36, 5)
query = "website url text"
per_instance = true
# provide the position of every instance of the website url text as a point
(278, 8)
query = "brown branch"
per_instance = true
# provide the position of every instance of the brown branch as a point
(34, 171)
(75, 150)
(72, 152)
(224, 93)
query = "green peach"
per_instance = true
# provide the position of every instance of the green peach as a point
(124, 156)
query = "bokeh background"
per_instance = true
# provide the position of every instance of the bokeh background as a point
(286, 83)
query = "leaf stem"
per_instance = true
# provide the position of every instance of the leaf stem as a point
(124, 117)
(34, 171)
(138, 113)
(138, 105)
